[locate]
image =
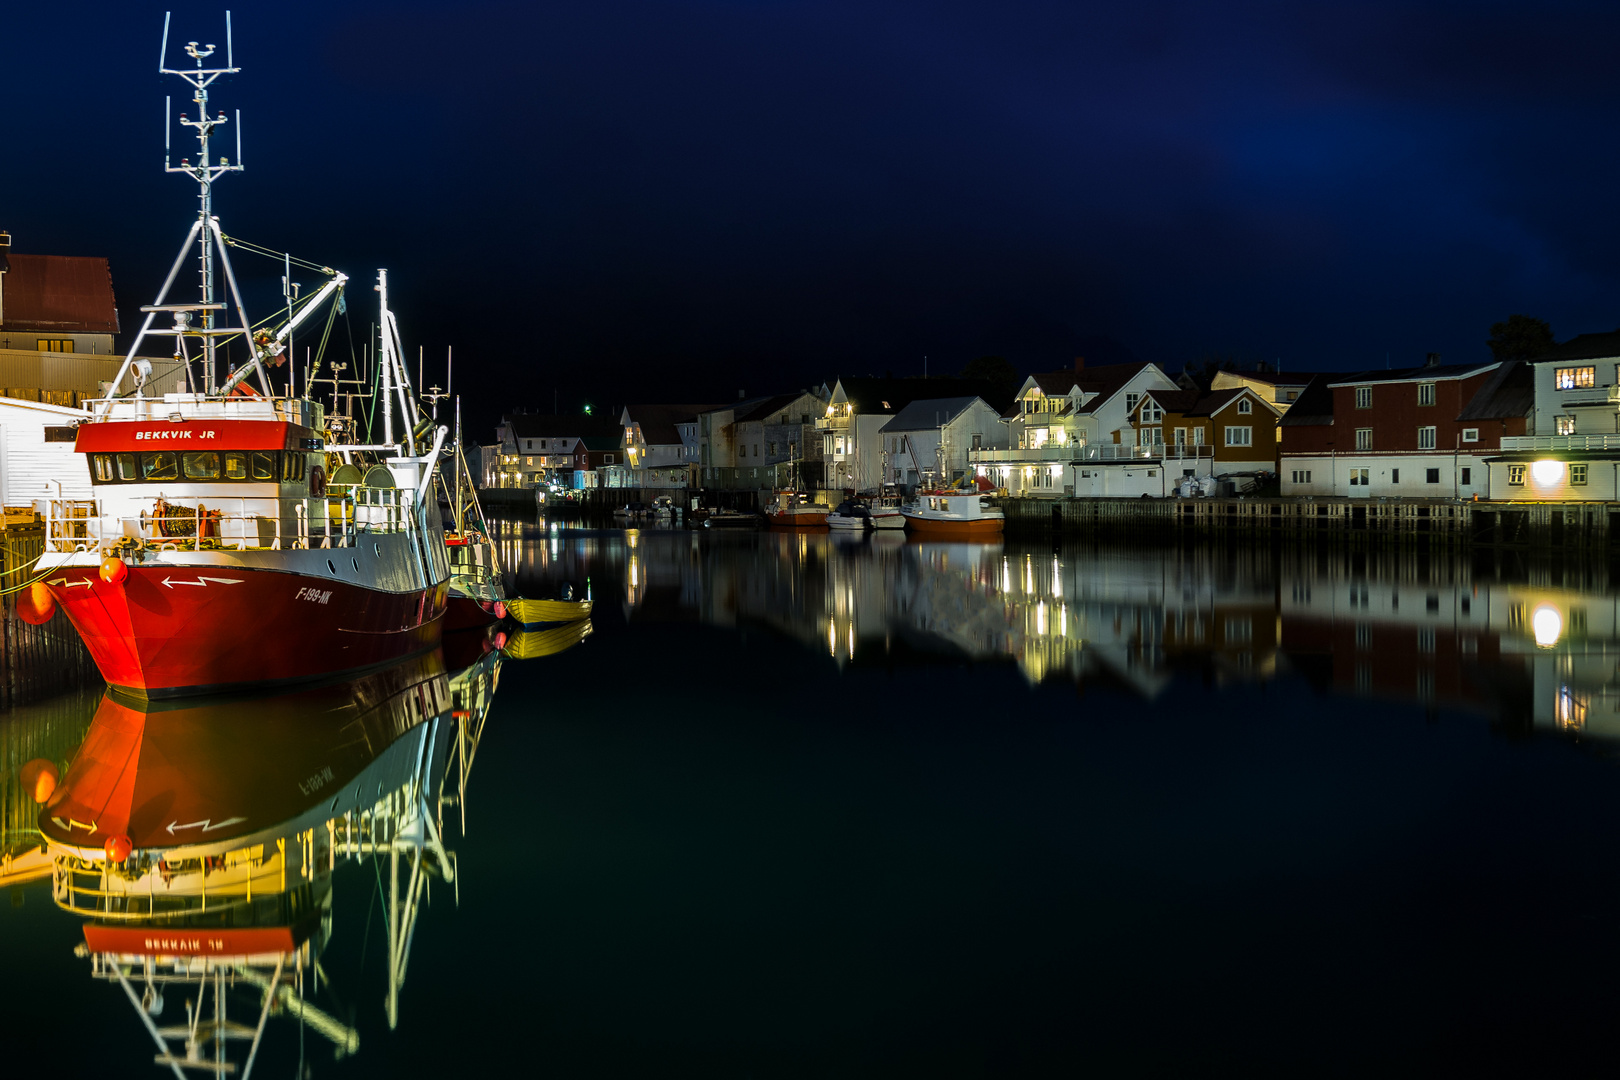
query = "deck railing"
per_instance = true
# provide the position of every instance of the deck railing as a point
(1081, 452)
(1560, 442)
(232, 523)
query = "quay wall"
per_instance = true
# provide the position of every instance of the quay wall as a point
(1432, 522)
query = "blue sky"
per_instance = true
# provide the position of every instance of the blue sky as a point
(698, 197)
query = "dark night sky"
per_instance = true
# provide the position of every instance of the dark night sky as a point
(678, 200)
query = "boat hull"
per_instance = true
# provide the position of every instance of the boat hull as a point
(808, 519)
(895, 520)
(167, 630)
(470, 613)
(957, 527)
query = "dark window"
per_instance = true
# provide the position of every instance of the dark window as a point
(1432, 476)
(101, 468)
(236, 466)
(1394, 476)
(60, 434)
(292, 467)
(200, 464)
(264, 465)
(160, 465)
(129, 467)
(1467, 476)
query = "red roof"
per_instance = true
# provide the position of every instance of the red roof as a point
(65, 294)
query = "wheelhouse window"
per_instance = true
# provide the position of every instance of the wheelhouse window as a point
(1575, 378)
(200, 464)
(252, 466)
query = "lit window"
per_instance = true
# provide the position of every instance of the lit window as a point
(1577, 474)
(1470, 434)
(1363, 397)
(1364, 438)
(1565, 425)
(1516, 474)
(1426, 393)
(1575, 378)
(1425, 438)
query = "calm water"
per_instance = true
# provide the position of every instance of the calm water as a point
(810, 805)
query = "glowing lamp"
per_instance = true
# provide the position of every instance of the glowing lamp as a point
(118, 848)
(1547, 625)
(1547, 471)
(38, 779)
(36, 605)
(113, 570)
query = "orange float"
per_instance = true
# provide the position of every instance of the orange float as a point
(39, 778)
(36, 605)
(113, 570)
(118, 848)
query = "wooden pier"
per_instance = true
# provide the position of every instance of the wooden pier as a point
(1429, 522)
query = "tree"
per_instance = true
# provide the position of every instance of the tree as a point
(995, 369)
(1521, 337)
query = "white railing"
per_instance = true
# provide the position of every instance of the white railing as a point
(1591, 395)
(292, 410)
(1091, 452)
(240, 523)
(1560, 442)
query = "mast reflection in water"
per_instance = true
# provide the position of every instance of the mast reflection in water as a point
(199, 840)
(798, 804)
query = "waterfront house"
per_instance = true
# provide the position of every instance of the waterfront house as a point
(1275, 388)
(539, 448)
(851, 447)
(1426, 431)
(660, 444)
(1571, 448)
(1064, 423)
(1223, 433)
(928, 442)
(762, 442)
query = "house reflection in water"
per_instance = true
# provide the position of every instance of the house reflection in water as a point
(1398, 625)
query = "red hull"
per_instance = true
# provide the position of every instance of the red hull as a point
(211, 628)
(465, 613)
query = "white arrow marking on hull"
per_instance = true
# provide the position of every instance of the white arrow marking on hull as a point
(202, 581)
(224, 580)
(208, 825)
(71, 824)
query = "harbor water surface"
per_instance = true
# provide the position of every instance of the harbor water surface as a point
(816, 805)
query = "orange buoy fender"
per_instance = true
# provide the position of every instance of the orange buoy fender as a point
(118, 848)
(500, 609)
(113, 570)
(36, 605)
(39, 778)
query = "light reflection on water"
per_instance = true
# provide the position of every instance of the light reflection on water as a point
(1516, 642)
(621, 843)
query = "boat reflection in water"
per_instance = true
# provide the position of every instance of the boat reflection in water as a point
(1530, 645)
(199, 840)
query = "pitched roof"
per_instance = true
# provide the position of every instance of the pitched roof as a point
(872, 396)
(929, 413)
(1509, 392)
(565, 426)
(1314, 406)
(64, 294)
(1104, 381)
(1275, 378)
(658, 422)
(1416, 374)
(1180, 401)
(1584, 347)
(762, 408)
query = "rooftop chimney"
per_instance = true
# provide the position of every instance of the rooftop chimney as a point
(1433, 360)
(1079, 363)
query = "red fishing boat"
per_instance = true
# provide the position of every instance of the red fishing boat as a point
(215, 552)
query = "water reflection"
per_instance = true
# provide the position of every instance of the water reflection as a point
(1504, 640)
(200, 841)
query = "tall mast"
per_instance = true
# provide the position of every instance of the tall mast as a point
(204, 172)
